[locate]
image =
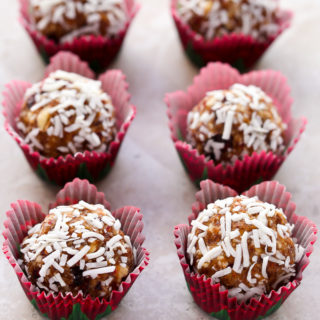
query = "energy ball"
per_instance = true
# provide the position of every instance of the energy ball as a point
(78, 248)
(216, 18)
(64, 20)
(244, 244)
(226, 125)
(65, 114)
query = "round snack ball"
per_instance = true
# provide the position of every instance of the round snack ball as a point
(244, 244)
(78, 248)
(64, 20)
(228, 124)
(65, 114)
(216, 18)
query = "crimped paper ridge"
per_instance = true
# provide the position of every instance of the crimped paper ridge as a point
(305, 231)
(24, 214)
(243, 173)
(63, 169)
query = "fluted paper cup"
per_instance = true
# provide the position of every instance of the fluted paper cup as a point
(98, 51)
(210, 297)
(25, 214)
(239, 50)
(251, 169)
(89, 165)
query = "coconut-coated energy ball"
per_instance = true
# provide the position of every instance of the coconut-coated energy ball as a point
(228, 124)
(244, 244)
(65, 114)
(216, 18)
(78, 248)
(64, 20)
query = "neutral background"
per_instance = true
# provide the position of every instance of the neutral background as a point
(148, 173)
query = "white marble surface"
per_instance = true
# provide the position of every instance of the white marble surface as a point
(148, 173)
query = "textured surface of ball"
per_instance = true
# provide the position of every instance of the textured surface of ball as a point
(244, 244)
(64, 20)
(228, 124)
(65, 114)
(78, 249)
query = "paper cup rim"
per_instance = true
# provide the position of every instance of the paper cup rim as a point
(283, 23)
(184, 145)
(79, 155)
(227, 191)
(41, 293)
(27, 24)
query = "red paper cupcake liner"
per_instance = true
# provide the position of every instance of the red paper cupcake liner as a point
(90, 165)
(98, 51)
(241, 51)
(251, 169)
(209, 296)
(25, 214)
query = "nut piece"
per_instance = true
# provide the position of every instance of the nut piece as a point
(43, 119)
